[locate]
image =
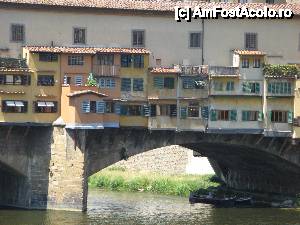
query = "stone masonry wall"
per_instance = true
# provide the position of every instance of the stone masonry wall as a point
(167, 160)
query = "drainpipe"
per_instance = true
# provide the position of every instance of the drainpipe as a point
(177, 103)
(202, 58)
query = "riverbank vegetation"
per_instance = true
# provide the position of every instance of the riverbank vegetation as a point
(118, 179)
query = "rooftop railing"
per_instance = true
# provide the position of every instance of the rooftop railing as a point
(223, 70)
(13, 63)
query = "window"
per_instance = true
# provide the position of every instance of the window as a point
(125, 84)
(78, 80)
(169, 82)
(195, 40)
(250, 115)
(164, 110)
(93, 106)
(279, 116)
(158, 62)
(256, 63)
(270, 1)
(45, 107)
(279, 88)
(45, 80)
(48, 57)
(225, 115)
(125, 60)
(75, 60)
(245, 63)
(218, 86)
(193, 110)
(106, 59)
(138, 61)
(192, 83)
(15, 79)
(164, 82)
(79, 35)
(17, 33)
(251, 41)
(251, 87)
(107, 83)
(67, 80)
(138, 38)
(14, 106)
(110, 107)
(243, 1)
(138, 84)
(131, 110)
(230, 86)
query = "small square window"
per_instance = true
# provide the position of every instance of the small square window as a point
(138, 38)
(256, 63)
(195, 40)
(79, 35)
(17, 33)
(245, 63)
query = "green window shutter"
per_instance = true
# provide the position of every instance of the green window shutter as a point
(146, 110)
(244, 116)
(126, 84)
(123, 110)
(269, 87)
(290, 117)
(117, 109)
(85, 106)
(270, 115)
(245, 87)
(204, 112)
(213, 115)
(260, 116)
(100, 106)
(257, 88)
(183, 112)
(158, 82)
(232, 115)
(169, 82)
(289, 91)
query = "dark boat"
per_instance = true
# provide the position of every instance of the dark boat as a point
(220, 202)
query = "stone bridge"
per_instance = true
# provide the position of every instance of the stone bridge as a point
(48, 167)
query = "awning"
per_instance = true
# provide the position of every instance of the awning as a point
(41, 104)
(50, 104)
(45, 104)
(10, 103)
(19, 103)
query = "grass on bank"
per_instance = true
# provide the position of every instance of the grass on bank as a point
(118, 179)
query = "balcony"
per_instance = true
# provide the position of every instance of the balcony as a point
(106, 70)
(201, 70)
(223, 71)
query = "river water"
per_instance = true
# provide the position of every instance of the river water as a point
(112, 208)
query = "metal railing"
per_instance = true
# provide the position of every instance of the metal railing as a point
(194, 70)
(223, 70)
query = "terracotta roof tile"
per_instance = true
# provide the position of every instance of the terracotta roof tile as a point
(26, 70)
(77, 93)
(149, 5)
(249, 52)
(165, 70)
(85, 50)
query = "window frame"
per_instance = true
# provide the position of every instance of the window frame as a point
(138, 45)
(12, 36)
(247, 37)
(200, 39)
(50, 83)
(85, 36)
(74, 61)
(23, 109)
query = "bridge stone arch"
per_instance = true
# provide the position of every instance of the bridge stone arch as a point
(55, 163)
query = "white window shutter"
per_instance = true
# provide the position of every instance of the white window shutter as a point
(86, 106)
(100, 107)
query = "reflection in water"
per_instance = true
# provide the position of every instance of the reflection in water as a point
(112, 208)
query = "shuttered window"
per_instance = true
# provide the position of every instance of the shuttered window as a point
(204, 112)
(100, 107)
(85, 106)
(250, 115)
(158, 82)
(183, 112)
(138, 84)
(277, 116)
(230, 86)
(280, 88)
(126, 84)
(138, 61)
(251, 87)
(78, 80)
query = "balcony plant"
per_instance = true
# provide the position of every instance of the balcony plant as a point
(280, 70)
(91, 81)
